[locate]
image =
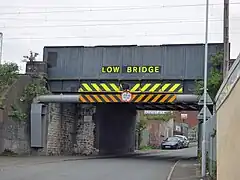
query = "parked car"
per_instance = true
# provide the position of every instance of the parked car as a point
(184, 139)
(172, 143)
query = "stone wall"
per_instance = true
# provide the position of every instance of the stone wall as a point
(68, 133)
(54, 129)
(67, 128)
(70, 130)
(85, 131)
(14, 134)
(15, 137)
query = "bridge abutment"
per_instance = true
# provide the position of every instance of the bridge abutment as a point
(116, 125)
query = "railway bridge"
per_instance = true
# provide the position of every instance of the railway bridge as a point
(108, 84)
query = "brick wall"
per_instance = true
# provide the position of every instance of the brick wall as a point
(158, 131)
(191, 117)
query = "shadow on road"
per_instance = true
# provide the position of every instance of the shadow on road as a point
(171, 155)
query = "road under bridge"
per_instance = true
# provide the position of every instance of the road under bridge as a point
(115, 81)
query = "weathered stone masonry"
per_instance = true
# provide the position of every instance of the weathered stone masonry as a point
(68, 133)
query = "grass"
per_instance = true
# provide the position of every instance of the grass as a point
(8, 152)
(146, 148)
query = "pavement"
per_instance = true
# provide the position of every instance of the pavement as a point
(188, 169)
(154, 165)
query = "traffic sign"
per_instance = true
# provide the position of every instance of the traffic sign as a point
(208, 102)
(200, 114)
(126, 96)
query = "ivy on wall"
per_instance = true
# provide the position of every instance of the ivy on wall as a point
(17, 114)
(36, 88)
(9, 72)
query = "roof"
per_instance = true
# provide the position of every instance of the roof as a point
(133, 45)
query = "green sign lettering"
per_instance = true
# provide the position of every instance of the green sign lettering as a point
(131, 69)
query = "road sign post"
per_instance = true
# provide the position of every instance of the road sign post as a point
(208, 114)
(204, 101)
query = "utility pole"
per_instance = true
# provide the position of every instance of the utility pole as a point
(205, 96)
(226, 38)
(1, 46)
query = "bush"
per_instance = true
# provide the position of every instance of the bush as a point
(8, 73)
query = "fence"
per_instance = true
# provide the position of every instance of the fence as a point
(211, 149)
(211, 145)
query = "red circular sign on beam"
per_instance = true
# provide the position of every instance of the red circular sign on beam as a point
(126, 96)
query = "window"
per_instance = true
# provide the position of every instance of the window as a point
(52, 59)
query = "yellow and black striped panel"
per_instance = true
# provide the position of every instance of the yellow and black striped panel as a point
(162, 87)
(136, 98)
(100, 98)
(134, 87)
(99, 87)
(154, 98)
(107, 87)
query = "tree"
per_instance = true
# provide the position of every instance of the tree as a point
(144, 118)
(160, 117)
(140, 126)
(8, 73)
(215, 77)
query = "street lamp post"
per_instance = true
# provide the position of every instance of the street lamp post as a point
(205, 96)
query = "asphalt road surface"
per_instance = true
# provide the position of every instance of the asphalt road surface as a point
(156, 166)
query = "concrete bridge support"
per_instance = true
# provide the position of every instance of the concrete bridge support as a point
(116, 125)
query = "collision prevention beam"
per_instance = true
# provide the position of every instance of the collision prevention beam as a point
(74, 98)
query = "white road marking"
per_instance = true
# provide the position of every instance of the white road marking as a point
(172, 169)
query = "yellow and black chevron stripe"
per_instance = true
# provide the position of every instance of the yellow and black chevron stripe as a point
(136, 98)
(154, 98)
(137, 87)
(162, 87)
(99, 87)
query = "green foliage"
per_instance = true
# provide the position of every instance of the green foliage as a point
(8, 152)
(161, 117)
(8, 73)
(141, 125)
(215, 77)
(36, 88)
(17, 114)
(1, 103)
(207, 161)
(198, 87)
(146, 148)
(199, 156)
(214, 170)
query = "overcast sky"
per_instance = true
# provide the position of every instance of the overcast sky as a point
(31, 24)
